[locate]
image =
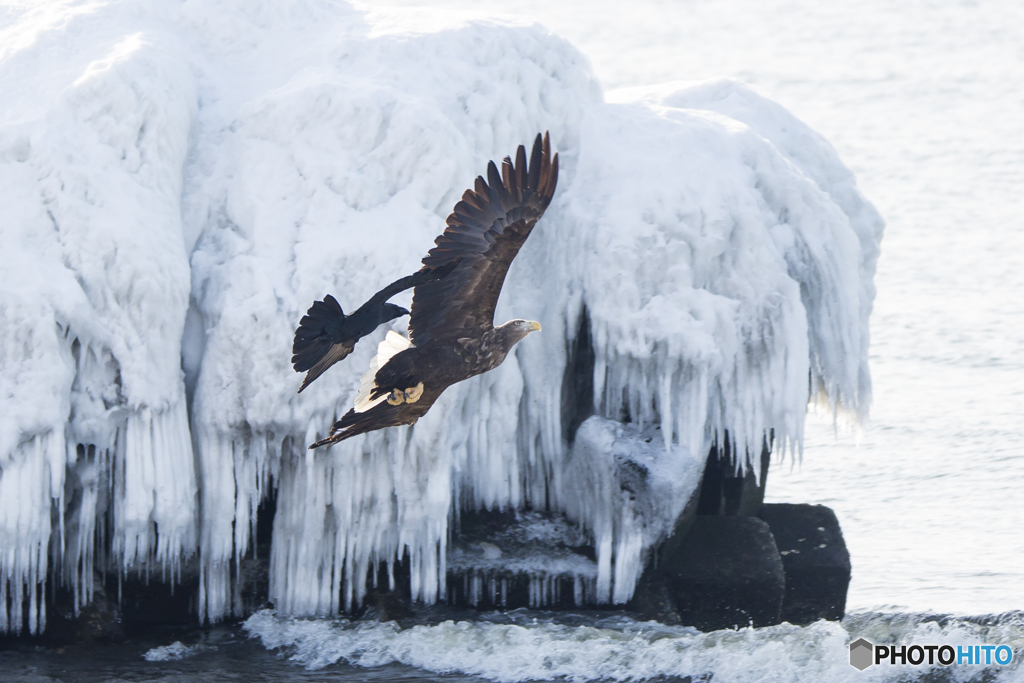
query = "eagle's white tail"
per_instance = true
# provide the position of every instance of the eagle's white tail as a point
(393, 343)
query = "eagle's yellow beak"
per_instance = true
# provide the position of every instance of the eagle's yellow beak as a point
(533, 326)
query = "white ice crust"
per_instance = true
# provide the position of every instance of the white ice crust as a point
(181, 180)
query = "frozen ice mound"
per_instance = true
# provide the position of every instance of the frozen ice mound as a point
(181, 180)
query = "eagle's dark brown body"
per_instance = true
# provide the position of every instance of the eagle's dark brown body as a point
(437, 366)
(452, 333)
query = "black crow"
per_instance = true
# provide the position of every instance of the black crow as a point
(326, 335)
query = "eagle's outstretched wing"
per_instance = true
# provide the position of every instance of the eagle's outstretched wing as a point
(485, 231)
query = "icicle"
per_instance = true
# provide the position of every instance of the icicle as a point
(27, 480)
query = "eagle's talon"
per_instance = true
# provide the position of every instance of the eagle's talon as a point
(413, 395)
(396, 397)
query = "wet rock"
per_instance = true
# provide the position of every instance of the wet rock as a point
(653, 601)
(97, 622)
(386, 605)
(149, 604)
(726, 572)
(652, 598)
(815, 560)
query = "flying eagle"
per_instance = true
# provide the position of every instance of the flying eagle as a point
(452, 332)
(326, 335)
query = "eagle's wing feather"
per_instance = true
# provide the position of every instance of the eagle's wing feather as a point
(485, 231)
(378, 416)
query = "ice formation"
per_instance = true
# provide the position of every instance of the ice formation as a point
(181, 180)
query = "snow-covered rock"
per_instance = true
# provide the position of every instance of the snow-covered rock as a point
(181, 180)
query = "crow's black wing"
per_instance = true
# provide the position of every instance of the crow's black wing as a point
(422, 276)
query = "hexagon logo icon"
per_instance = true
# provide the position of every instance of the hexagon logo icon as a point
(861, 652)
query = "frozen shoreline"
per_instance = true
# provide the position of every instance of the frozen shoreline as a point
(188, 179)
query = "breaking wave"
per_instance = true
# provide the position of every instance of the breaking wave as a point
(532, 645)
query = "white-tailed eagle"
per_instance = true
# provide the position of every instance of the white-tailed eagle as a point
(451, 326)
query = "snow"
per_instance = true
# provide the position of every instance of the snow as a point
(181, 180)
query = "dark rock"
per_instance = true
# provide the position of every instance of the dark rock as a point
(253, 581)
(578, 381)
(97, 622)
(147, 604)
(725, 489)
(386, 605)
(253, 575)
(815, 559)
(653, 600)
(726, 572)
(672, 545)
(387, 599)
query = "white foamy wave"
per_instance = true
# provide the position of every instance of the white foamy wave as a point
(622, 649)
